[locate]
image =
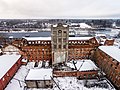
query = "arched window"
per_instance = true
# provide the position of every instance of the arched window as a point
(59, 32)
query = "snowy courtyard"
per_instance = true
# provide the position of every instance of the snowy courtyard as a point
(63, 83)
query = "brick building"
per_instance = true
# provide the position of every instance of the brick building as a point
(9, 66)
(39, 48)
(108, 59)
(77, 48)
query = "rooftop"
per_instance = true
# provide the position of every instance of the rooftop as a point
(6, 62)
(112, 51)
(39, 74)
(49, 38)
(83, 65)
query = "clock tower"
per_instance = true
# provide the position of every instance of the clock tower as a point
(59, 42)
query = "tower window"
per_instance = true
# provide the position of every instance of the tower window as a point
(59, 32)
(59, 46)
(64, 39)
(64, 33)
(59, 40)
(55, 46)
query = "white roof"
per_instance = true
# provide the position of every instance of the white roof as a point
(39, 74)
(49, 38)
(6, 62)
(10, 36)
(79, 38)
(112, 51)
(55, 25)
(100, 35)
(83, 65)
(37, 38)
(84, 25)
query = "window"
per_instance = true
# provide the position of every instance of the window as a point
(7, 74)
(115, 67)
(64, 33)
(29, 42)
(3, 79)
(60, 33)
(54, 39)
(59, 40)
(117, 63)
(84, 76)
(64, 46)
(54, 32)
(55, 46)
(59, 46)
(111, 65)
(39, 42)
(64, 39)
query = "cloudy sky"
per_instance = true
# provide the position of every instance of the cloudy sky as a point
(59, 9)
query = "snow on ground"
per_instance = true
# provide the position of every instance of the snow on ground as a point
(65, 83)
(83, 65)
(20, 75)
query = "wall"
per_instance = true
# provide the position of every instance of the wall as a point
(8, 76)
(110, 66)
(82, 75)
(41, 50)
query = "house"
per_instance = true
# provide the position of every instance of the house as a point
(39, 78)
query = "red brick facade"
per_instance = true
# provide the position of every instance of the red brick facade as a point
(81, 75)
(10, 73)
(41, 50)
(110, 66)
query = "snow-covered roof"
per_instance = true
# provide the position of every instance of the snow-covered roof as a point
(37, 38)
(10, 36)
(49, 38)
(6, 62)
(84, 25)
(83, 65)
(80, 38)
(112, 51)
(55, 25)
(100, 35)
(39, 74)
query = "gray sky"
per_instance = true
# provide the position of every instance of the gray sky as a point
(59, 9)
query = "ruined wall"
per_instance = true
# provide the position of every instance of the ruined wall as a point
(110, 66)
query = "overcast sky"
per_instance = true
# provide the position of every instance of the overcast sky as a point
(59, 9)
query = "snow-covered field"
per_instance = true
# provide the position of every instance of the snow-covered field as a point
(65, 83)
